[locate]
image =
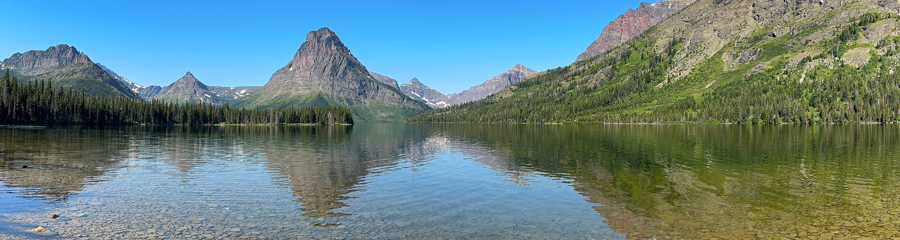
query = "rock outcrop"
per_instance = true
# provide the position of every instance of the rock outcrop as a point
(417, 90)
(324, 72)
(493, 85)
(631, 24)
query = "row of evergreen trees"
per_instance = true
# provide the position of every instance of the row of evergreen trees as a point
(37, 102)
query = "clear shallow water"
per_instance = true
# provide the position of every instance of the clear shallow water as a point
(451, 181)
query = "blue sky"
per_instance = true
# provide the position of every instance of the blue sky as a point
(448, 45)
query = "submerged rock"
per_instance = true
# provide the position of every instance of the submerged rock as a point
(40, 230)
(54, 216)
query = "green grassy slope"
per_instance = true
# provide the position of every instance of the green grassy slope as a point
(838, 67)
(88, 77)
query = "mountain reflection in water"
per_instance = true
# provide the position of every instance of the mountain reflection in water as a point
(453, 180)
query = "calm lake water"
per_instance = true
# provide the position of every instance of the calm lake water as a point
(431, 181)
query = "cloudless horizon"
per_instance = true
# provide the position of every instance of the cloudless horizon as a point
(448, 45)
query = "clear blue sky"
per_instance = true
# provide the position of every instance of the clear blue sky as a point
(448, 45)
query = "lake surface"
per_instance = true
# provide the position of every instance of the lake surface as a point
(431, 181)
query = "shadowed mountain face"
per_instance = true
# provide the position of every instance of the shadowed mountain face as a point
(324, 72)
(493, 85)
(66, 67)
(631, 24)
(417, 90)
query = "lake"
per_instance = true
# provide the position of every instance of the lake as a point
(429, 181)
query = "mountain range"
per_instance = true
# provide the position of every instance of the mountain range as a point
(435, 99)
(756, 61)
(323, 72)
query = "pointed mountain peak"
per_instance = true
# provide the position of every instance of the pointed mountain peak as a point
(321, 46)
(415, 81)
(188, 80)
(188, 77)
(521, 68)
(324, 39)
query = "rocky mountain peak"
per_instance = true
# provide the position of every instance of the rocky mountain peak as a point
(37, 62)
(189, 81)
(419, 91)
(187, 78)
(187, 89)
(521, 68)
(322, 35)
(631, 24)
(493, 85)
(320, 60)
(318, 43)
(323, 71)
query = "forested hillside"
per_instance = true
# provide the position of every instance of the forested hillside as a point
(39, 102)
(801, 62)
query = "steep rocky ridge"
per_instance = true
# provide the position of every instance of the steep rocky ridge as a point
(493, 85)
(66, 67)
(36, 62)
(417, 90)
(324, 72)
(129, 84)
(631, 24)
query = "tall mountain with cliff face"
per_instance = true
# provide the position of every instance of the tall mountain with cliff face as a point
(323, 72)
(730, 61)
(631, 24)
(417, 90)
(493, 85)
(66, 67)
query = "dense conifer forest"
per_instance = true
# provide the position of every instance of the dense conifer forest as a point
(38, 102)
